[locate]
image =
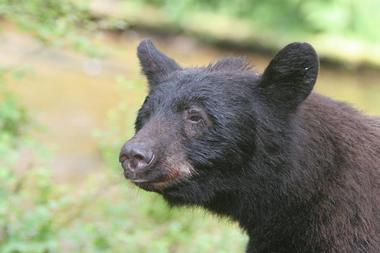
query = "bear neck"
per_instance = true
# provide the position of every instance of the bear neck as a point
(311, 186)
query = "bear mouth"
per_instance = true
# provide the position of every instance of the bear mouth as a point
(157, 184)
(153, 185)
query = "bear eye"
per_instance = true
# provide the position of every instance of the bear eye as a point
(194, 116)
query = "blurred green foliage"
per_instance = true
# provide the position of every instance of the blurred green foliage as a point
(13, 117)
(25, 197)
(49, 19)
(54, 22)
(34, 210)
(356, 19)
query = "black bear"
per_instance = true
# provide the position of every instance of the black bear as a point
(298, 171)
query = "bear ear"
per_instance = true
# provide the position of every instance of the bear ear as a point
(290, 76)
(155, 65)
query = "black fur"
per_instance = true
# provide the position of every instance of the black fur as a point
(298, 171)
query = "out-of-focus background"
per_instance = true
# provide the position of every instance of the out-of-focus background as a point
(70, 86)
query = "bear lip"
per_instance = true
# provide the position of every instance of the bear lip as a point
(153, 181)
(141, 181)
(154, 185)
(158, 184)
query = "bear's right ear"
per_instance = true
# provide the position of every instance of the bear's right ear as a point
(290, 76)
(155, 65)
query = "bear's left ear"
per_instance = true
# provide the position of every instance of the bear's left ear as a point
(290, 76)
(155, 65)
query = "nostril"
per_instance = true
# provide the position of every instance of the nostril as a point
(123, 158)
(139, 157)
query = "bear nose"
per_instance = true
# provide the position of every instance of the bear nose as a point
(135, 157)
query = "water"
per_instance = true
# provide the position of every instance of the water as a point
(72, 94)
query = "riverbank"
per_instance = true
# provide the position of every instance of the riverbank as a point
(233, 33)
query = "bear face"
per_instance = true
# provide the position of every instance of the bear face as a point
(200, 129)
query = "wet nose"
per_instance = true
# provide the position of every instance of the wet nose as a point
(135, 157)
